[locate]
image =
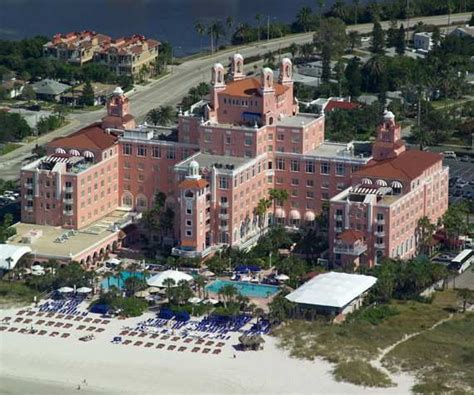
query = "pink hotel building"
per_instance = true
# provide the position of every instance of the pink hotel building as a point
(225, 155)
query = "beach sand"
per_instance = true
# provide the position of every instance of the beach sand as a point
(31, 364)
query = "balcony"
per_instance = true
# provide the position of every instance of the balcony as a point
(68, 201)
(355, 250)
(379, 234)
(380, 245)
(225, 205)
(68, 189)
(68, 212)
(28, 185)
(380, 221)
(224, 228)
(338, 230)
(29, 209)
(338, 217)
(186, 253)
(29, 197)
(223, 216)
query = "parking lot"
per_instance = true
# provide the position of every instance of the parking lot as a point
(461, 175)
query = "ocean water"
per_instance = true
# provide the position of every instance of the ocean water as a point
(166, 20)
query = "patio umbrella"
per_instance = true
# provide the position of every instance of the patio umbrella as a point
(142, 294)
(84, 290)
(194, 300)
(153, 290)
(211, 301)
(65, 290)
(282, 277)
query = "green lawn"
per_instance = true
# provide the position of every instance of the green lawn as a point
(9, 147)
(358, 341)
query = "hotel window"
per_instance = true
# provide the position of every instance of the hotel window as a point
(248, 140)
(355, 168)
(325, 196)
(270, 136)
(279, 180)
(295, 165)
(280, 137)
(207, 137)
(141, 177)
(223, 182)
(269, 179)
(310, 183)
(280, 164)
(340, 169)
(189, 222)
(171, 153)
(127, 149)
(280, 149)
(340, 186)
(294, 192)
(248, 154)
(141, 150)
(295, 181)
(379, 217)
(156, 152)
(127, 165)
(141, 166)
(325, 168)
(189, 232)
(310, 194)
(309, 164)
(294, 204)
(325, 185)
(228, 139)
(295, 138)
(269, 148)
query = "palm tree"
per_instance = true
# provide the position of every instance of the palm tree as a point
(200, 30)
(200, 282)
(261, 211)
(215, 31)
(294, 49)
(258, 18)
(278, 195)
(269, 58)
(303, 18)
(227, 292)
(354, 39)
(163, 115)
(169, 283)
(229, 22)
(338, 10)
(306, 50)
(467, 296)
(424, 232)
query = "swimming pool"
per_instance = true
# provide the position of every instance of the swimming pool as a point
(119, 283)
(246, 289)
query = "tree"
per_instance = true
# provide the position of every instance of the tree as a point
(424, 233)
(200, 29)
(320, 4)
(326, 64)
(378, 39)
(400, 41)
(303, 18)
(261, 211)
(13, 127)
(228, 293)
(306, 50)
(134, 284)
(354, 40)
(229, 22)
(163, 115)
(215, 31)
(269, 59)
(169, 283)
(278, 196)
(87, 98)
(294, 49)
(353, 77)
(454, 220)
(339, 74)
(467, 296)
(331, 33)
(28, 93)
(200, 283)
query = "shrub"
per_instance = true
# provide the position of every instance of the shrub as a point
(373, 315)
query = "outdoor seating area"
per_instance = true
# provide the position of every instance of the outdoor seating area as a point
(261, 327)
(63, 306)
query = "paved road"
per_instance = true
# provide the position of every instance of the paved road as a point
(170, 89)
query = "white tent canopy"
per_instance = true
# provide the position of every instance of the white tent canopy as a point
(194, 300)
(37, 268)
(84, 290)
(332, 289)
(282, 277)
(158, 280)
(10, 255)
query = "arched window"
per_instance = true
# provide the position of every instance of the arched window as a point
(142, 203)
(127, 200)
(189, 194)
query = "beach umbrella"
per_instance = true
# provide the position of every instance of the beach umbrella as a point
(282, 277)
(84, 290)
(194, 300)
(208, 273)
(142, 294)
(65, 290)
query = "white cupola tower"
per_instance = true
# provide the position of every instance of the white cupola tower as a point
(237, 67)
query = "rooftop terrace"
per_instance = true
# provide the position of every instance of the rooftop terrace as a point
(219, 161)
(298, 120)
(360, 151)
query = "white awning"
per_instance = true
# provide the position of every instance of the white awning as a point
(58, 159)
(88, 154)
(366, 181)
(65, 290)
(332, 289)
(84, 290)
(309, 216)
(381, 183)
(10, 255)
(74, 152)
(158, 280)
(280, 213)
(396, 184)
(60, 151)
(295, 214)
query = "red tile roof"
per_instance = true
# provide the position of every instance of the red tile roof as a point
(340, 105)
(193, 183)
(250, 87)
(350, 236)
(90, 137)
(407, 166)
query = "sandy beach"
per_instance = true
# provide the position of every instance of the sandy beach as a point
(32, 364)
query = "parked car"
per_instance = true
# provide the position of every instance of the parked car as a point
(465, 158)
(449, 154)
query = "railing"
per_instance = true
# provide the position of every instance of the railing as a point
(28, 185)
(380, 221)
(350, 250)
(223, 216)
(29, 209)
(191, 254)
(68, 201)
(68, 212)
(338, 230)
(379, 245)
(338, 217)
(225, 205)
(68, 189)
(379, 234)
(29, 197)
(224, 227)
